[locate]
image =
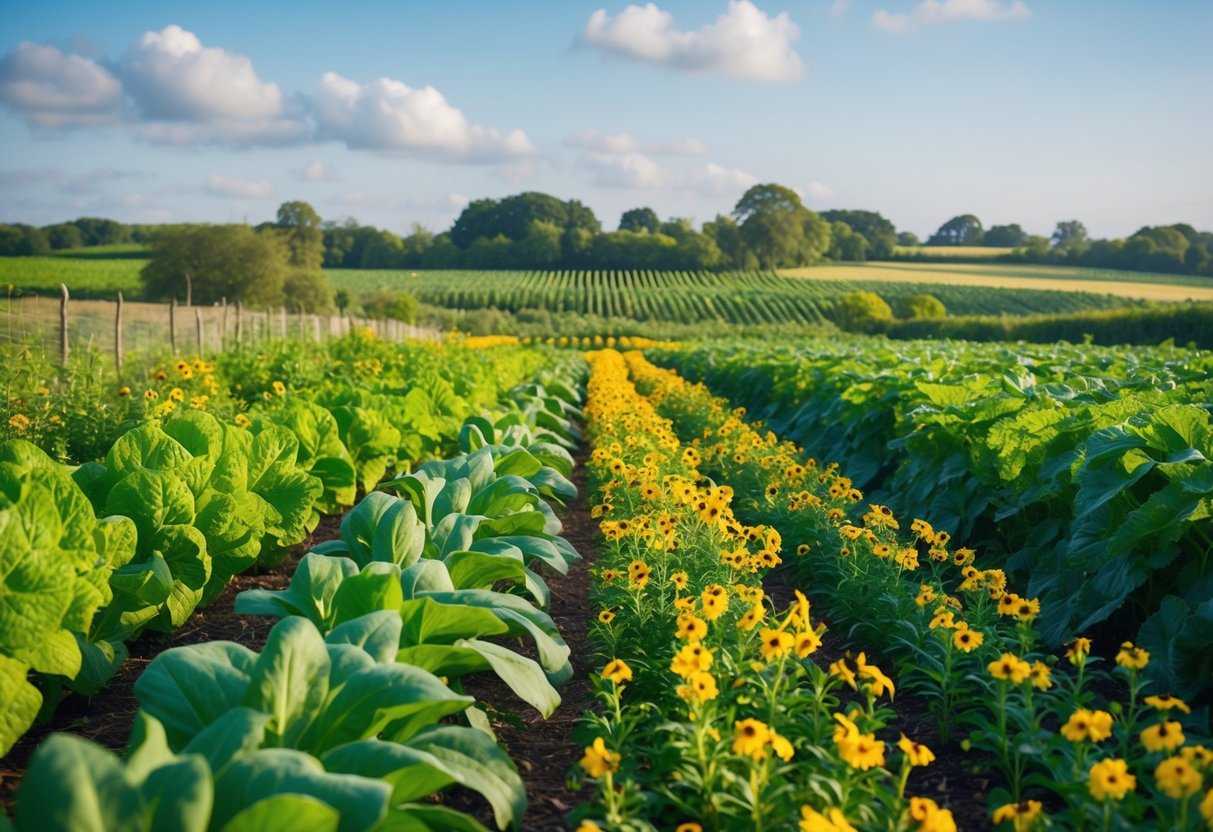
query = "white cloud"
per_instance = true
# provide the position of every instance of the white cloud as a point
(931, 12)
(839, 7)
(173, 77)
(317, 171)
(388, 115)
(596, 141)
(819, 191)
(716, 180)
(626, 170)
(51, 89)
(220, 185)
(744, 42)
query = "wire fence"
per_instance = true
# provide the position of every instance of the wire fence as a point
(55, 326)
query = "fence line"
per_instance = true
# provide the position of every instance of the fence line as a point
(123, 327)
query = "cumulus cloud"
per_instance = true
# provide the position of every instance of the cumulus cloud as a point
(744, 42)
(389, 115)
(219, 185)
(839, 7)
(317, 171)
(613, 143)
(626, 170)
(932, 12)
(716, 180)
(51, 89)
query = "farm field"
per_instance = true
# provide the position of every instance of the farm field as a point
(1125, 284)
(967, 252)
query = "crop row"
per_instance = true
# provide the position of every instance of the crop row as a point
(185, 498)
(1099, 749)
(1085, 472)
(343, 721)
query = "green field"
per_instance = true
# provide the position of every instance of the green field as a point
(975, 252)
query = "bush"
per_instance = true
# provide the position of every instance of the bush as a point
(919, 307)
(861, 311)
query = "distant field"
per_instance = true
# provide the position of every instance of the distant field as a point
(118, 251)
(1124, 284)
(951, 251)
(84, 276)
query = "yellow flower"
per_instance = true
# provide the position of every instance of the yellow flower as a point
(1132, 658)
(124, 391)
(679, 580)
(776, 643)
(858, 750)
(752, 618)
(242, 421)
(1164, 736)
(606, 616)
(700, 687)
(279, 388)
(691, 659)
(751, 738)
(1165, 702)
(931, 817)
(691, 628)
(598, 761)
(1110, 780)
(1040, 676)
(617, 671)
(715, 602)
(1022, 815)
(881, 684)
(841, 670)
(807, 643)
(688, 827)
(781, 747)
(176, 395)
(150, 394)
(1010, 667)
(1197, 755)
(588, 826)
(1095, 726)
(917, 753)
(1206, 808)
(967, 640)
(802, 550)
(1077, 650)
(1177, 778)
(832, 821)
(19, 422)
(944, 618)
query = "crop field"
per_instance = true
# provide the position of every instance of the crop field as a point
(967, 252)
(84, 276)
(367, 580)
(1123, 284)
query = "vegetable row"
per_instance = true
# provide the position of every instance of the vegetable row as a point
(355, 714)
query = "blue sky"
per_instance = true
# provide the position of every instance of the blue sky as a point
(1027, 111)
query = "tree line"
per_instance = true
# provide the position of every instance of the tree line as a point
(769, 227)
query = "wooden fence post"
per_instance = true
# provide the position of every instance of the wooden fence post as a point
(239, 323)
(223, 328)
(172, 325)
(198, 322)
(63, 348)
(118, 338)
(282, 321)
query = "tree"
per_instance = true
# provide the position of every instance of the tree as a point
(777, 229)
(727, 236)
(307, 290)
(862, 311)
(1005, 236)
(23, 241)
(917, 307)
(846, 244)
(640, 219)
(1070, 238)
(304, 235)
(64, 236)
(342, 299)
(206, 263)
(963, 230)
(908, 239)
(879, 234)
(102, 232)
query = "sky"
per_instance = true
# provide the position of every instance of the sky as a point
(394, 113)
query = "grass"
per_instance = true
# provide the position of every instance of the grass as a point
(84, 277)
(951, 251)
(1126, 284)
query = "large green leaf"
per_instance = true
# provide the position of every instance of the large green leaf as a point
(290, 680)
(22, 701)
(188, 688)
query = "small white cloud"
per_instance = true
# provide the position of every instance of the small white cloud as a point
(839, 7)
(388, 115)
(716, 180)
(596, 141)
(626, 170)
(317, 171)
(933, 12)
(173, 77)
(443, 204)
(816, 190)
(220, 185)
(744, 42)
(51, 89)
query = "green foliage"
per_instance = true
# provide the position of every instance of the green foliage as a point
(919, 306)
(862, 311)
(205, 264)
(383, 304)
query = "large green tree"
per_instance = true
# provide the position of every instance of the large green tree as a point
(206, 263)
(640, 219)
(1005, 236)
(879, 234)
(777, 229)
(304, 234)
(962, 230)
